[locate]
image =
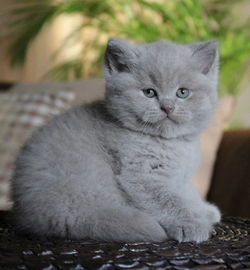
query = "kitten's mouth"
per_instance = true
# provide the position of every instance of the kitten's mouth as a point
(165, 117)
(168, 117)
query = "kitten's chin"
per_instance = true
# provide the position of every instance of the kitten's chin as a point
(167, 129)
(165, 126)
(161, 118)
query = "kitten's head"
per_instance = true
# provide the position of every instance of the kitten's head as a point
(162, 88)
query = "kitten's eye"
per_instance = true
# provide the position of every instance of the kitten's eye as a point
(150, 92)
(182, 93)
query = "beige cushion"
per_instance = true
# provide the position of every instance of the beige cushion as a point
(27, 106)
(84, 90)
(22, 110)
(210, 140)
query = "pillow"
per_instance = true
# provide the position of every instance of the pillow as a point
(84, 90)
(22, 110)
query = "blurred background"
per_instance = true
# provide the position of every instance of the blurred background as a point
(65, 39)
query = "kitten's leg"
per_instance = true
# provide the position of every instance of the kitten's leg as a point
(212, 212)
(207, 210)
(123, 224)
(187, 217)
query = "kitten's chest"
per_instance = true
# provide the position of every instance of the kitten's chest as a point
(148, 158)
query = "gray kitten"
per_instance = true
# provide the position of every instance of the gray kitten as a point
(120, 169)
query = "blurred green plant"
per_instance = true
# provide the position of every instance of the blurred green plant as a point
(138, 20)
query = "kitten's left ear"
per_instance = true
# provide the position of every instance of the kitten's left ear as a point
(206, 56)
(119, 56)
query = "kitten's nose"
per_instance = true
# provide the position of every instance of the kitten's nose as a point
(167, 108)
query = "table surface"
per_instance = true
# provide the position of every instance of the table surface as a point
(228, 248)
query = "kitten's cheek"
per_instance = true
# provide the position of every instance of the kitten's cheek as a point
(144, 118)
(182, 118)
(162, 115)
(159, 117)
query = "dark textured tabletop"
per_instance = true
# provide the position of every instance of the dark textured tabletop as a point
(228, 248)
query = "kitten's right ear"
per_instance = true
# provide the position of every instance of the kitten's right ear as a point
(207, 56)
(119, 56)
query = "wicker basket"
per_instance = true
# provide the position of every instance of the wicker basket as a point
(228, 248)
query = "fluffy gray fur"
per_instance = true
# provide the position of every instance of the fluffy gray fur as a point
(120, 169)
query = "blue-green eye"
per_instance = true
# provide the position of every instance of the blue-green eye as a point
(182, 93)
(150, 92)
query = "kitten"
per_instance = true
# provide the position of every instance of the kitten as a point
(120, 169)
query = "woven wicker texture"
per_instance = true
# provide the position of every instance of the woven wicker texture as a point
(228, 248)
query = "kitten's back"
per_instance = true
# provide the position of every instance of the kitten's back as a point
(58, 169)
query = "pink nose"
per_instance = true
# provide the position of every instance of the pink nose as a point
(167, 109)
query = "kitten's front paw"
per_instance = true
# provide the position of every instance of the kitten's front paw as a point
(212, 213)
(188, 231)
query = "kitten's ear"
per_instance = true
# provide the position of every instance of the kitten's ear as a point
(119, 56)
(206, 56)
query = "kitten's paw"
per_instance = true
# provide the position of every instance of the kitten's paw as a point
(144, 228)
(125, 224)
(189, 231)
(213, 214)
